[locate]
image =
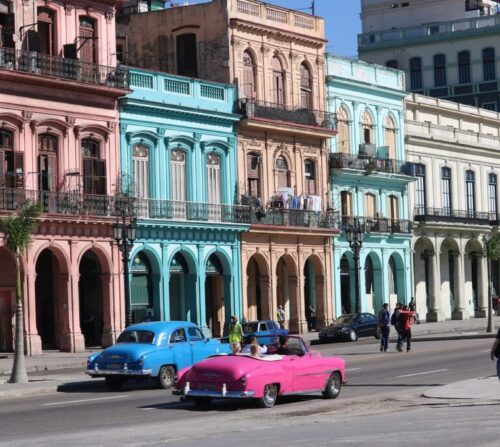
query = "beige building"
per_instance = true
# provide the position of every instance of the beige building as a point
(275, 56)
(454, 199)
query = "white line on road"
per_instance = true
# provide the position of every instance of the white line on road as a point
(425, 372)
(82, 400)
(352, 369)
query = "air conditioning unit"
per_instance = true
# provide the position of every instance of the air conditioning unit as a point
(367, 150)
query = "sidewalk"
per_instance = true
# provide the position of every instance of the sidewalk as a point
(482, 389)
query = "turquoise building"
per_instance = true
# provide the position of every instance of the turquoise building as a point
(178, 158)
(368, 182)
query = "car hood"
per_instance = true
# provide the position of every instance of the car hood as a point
(336, 328)
(223, 368)
(126, 351)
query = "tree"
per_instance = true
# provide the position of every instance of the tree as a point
(17, 232)
(492, 252)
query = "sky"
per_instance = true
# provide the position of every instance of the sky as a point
(342, 22)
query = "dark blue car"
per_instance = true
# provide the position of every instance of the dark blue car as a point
(350, 327)
(266, 331)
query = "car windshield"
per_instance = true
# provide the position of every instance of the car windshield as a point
(249, 327)
(344, 319)
(136, 337)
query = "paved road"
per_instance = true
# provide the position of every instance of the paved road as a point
(377, 383)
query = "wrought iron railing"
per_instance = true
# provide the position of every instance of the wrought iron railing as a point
(378, 224)
(58, 67)
(280, 112)
(425, 214)
(192, 211)
(296, 218)
(370, 164)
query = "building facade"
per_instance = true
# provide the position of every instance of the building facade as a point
(448, 48)
(59, 147)
(275, 57)
(178, 140)
(454, 199)
(369, 178)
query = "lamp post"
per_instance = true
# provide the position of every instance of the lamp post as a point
(355, 234)
(489, 325)
(124, 234)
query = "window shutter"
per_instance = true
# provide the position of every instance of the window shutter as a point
(2, 168)
(52, 171)
(88, 172)
(19, 169)
(100, 172)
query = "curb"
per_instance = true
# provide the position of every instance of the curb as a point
(43, 386)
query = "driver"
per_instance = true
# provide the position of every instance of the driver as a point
(283, 349)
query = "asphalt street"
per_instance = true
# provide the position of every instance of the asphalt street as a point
(88, 413)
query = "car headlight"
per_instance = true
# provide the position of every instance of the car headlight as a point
(345, 329)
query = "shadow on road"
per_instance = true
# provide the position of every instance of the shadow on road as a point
(99, 386)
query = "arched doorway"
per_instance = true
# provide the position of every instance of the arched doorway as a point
(47, 299)
(449, 265)
(258, 305)
(91, 302)
(7, 300)
(286, 294)
(397, 279)
(476, 278)
(423, 271)
(182, 289)
(347, 284)
(314, 292)
(141, 288)
(217, 296)
(373, 284)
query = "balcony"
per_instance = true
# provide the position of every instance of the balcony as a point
(269, 111)
(370, 165)
(447, 215)
(379, 224)
(296, 218)
(61, 68)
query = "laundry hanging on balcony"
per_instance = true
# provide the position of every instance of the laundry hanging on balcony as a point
(289, 201)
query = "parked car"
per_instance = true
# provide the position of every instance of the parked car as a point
(266, 331)
(152, 350)
(350, 327)
(263, 378)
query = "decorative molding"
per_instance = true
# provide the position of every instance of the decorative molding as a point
(33, 126)
(110, 15)
(70, 121)
(68, 8)
(112, 125)
(27, 115)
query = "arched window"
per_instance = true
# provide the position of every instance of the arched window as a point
(415, 73)
(305, 87)
(439, 70)
(140, 160)
(88, 43)
(47, 162)
(310, 177)
(469, 191)
(343, 137)
(367, 128)
(214, 190)
(393, 207)
(278, 88)
(253, 174)
(46, 31)
(492, 196)
(187, 55)
(489, 72)
(11, 163)
(390, 137)
(346, 203)
(393, 276)
(369, 275)
(282, 172)
(249, 76)
(464, 67)
(370, 205)
(94, 169)
(446, 190)
(178, 175)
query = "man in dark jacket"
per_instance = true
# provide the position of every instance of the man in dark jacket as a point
(384, 319)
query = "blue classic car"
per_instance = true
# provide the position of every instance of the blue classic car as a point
(266, 331)
(152, 350)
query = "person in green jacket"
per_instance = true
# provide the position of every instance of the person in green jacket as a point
(235, 330)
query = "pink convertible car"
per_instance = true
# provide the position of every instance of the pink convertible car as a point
(263, 378)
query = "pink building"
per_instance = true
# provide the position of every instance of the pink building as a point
(59, 145)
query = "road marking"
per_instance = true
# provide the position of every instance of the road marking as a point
(82, 400)
(425, 372)
(352, 369)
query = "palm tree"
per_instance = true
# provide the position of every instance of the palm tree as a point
(17, 232)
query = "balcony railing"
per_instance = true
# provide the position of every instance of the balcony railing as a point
(192, 211)
(296, 218)
(62, 68)
(379, 224)
(424, 214)
(278, 112)
(369, 165)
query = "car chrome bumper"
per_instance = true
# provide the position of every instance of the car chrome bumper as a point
(187, 392)
(118, 372)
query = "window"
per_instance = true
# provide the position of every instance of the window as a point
(393, 208)
(253, 174)
(370, 205)
(88, 40)
(439, 70)
(47, 162)
(346, 203)
(283, 174)
(7, 28)
(446, 190)
(178, 336)
(489, 72)
(367, 128)
(393, 276)
(416, 73)
(178, 172)
(420, 189)
(46, 31)
(278, 82)
(187, 55)
(393, 63)
(94, 169)
(195, 334)
(343, 138)
(213, 178)
(464, 67)
(305, 87)
(469, 191)
(140, 160)
(249, 76)
(11, 163)
(492, 195)
(489, 106)
(310, 177)
(390, 137)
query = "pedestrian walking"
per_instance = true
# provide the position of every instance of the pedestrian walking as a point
(311, 318)
(413, 307)
(395, 323)
(495, 352)
(235, 331)
(281, 316)
(405, 318)
(384, 319)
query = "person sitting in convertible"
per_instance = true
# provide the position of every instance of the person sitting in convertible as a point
(251, 340)
(283, 349)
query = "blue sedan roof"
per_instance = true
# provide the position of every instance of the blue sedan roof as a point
(160, 326)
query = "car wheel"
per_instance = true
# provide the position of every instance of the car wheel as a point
(203, 402)
(333, 386)
(114, 383)
(352, 335)
(270, 396)
(166, 377)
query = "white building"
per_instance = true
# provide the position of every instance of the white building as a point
(456, 149)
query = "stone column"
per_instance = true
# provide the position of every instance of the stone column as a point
(32, 341)
(460, 312)
(483, 279)
(434, 313)
(107, 337)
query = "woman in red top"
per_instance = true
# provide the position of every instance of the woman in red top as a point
(404, 318)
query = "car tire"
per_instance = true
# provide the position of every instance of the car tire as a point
(114, 383)
(270, 396)
(166, 377)
(353, 336)
(203, 403)
(333, 386)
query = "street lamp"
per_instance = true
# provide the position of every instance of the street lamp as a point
(489, 325)
(124, 234)
(355, 234)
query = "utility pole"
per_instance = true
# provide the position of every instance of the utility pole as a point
(313, 7)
